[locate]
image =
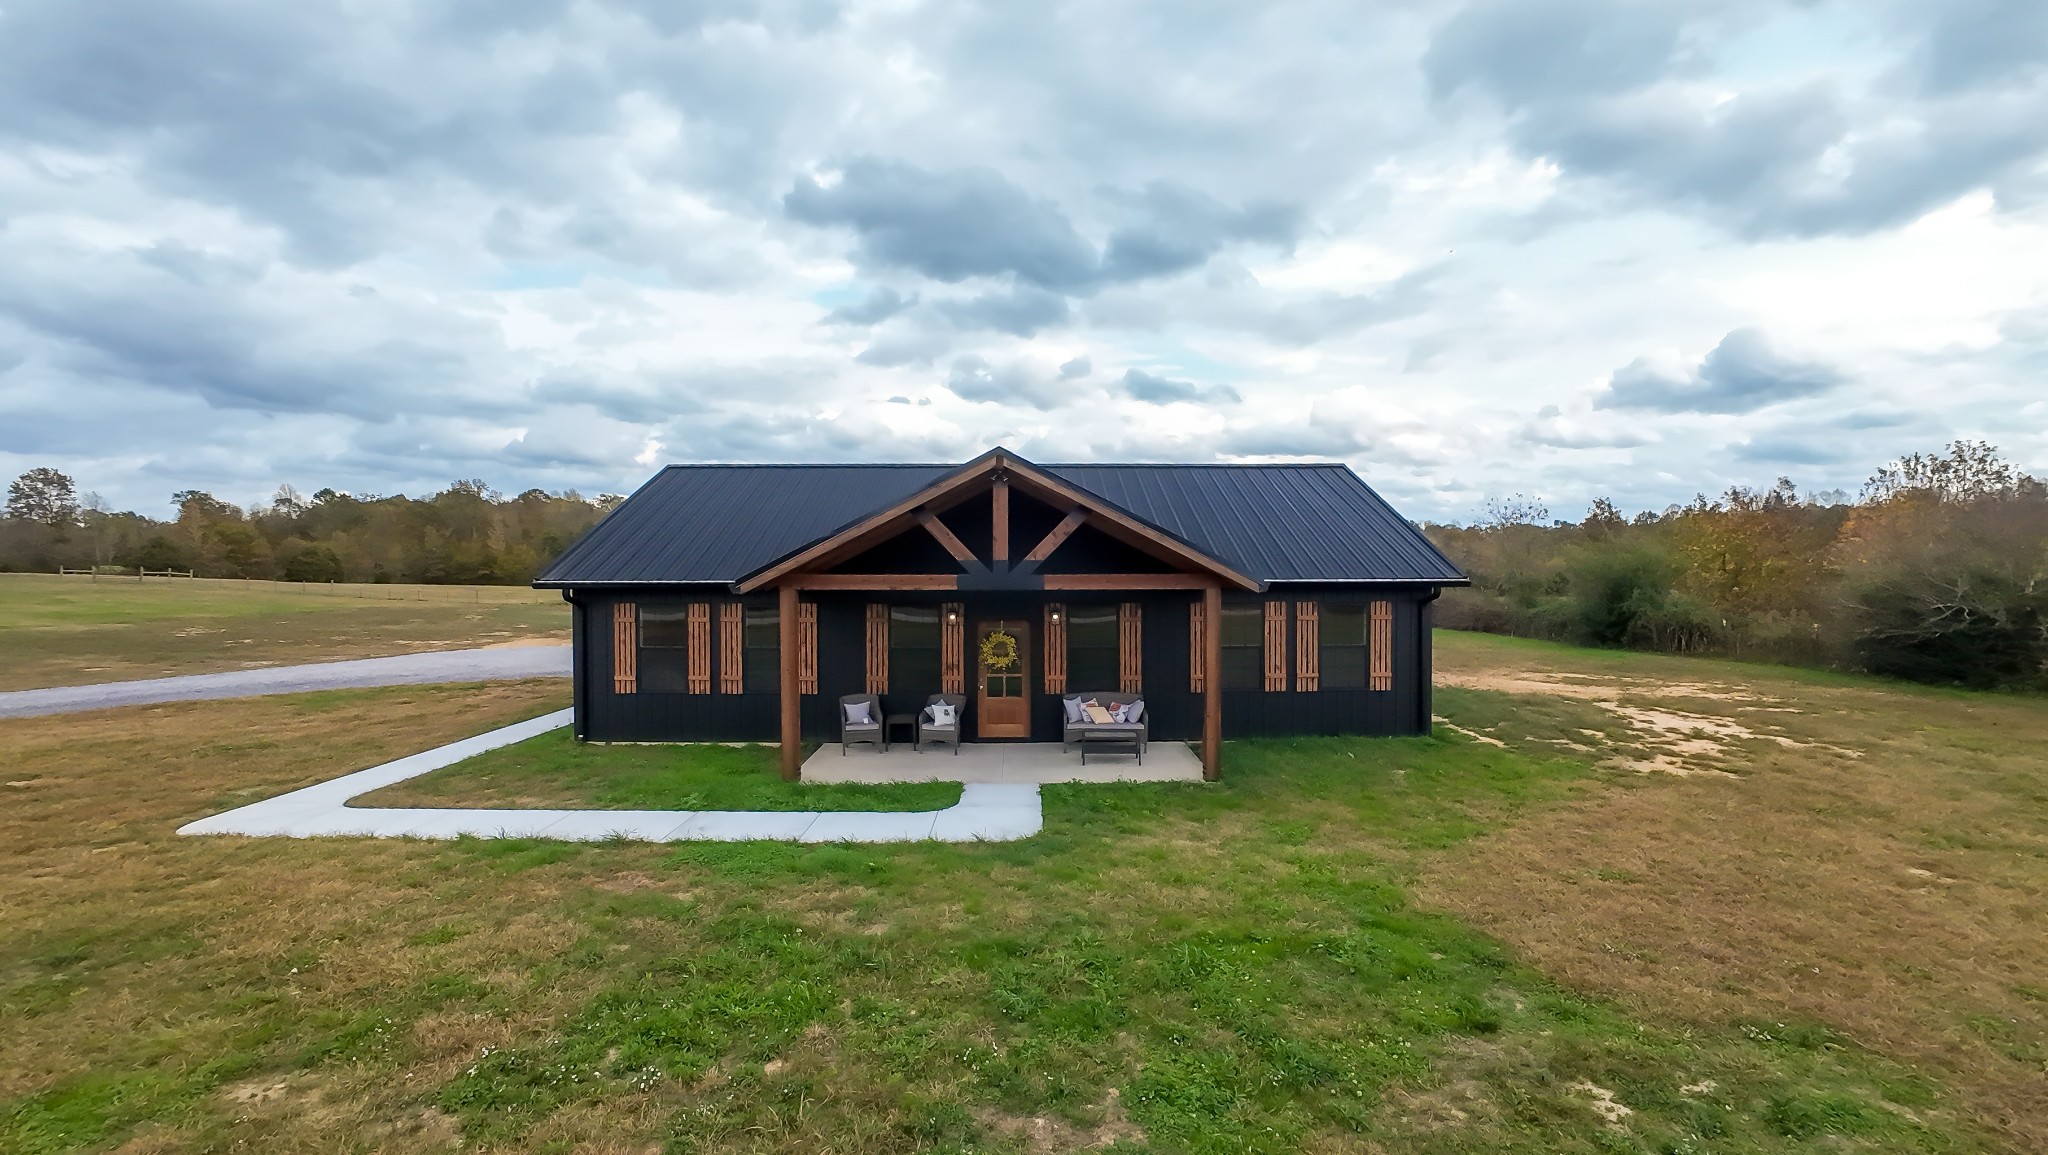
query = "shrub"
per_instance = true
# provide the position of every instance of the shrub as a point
(1974, 628)
(1617, 591)
(158, 552)
(316, 563)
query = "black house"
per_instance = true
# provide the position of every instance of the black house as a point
(738, 602)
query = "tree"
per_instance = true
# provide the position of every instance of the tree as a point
(158, 553)
(198, 509)
(45, 496)
(287, 503)
(234, 549)
(315, 563)
(1602, 518)
(1968, 471)
(1515, 509)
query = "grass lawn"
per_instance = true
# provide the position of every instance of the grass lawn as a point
(68, 631)
(552, 770)
(1498, 940)
(1878, 860)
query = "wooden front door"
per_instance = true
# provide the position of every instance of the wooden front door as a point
(1003, 701)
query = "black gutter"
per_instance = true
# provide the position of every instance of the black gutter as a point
(578, 668)
(1425, 649)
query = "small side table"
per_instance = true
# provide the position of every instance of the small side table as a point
(890, 723)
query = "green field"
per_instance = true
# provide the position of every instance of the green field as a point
(553, 770)
(68, 631)
(1630, 904)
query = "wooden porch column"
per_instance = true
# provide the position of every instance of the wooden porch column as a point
(792, 725)
(1212, 682)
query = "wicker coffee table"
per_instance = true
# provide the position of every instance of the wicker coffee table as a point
(1114, 738)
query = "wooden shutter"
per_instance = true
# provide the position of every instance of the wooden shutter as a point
(700, 647)
(1308, 648)
(878, 649)
(806, 647)
(1055, 648)
(625, 648)
(1382, 656)
(1276, 646)
(732, 648)
(952, 648)
(1197, 656)
(1130, 647)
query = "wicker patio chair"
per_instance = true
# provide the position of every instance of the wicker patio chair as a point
(874, 732)
(942, 735)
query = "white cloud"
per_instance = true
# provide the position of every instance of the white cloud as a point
(555, 244)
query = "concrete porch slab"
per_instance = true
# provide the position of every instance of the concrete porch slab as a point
(1008, 763)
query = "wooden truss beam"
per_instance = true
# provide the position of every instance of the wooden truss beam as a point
(1052, 541)
(873, 581)
(1000, 471)
(1128, 581)
(1112, 582)
(951, 541)
(1000, 507)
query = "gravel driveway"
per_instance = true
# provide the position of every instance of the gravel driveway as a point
(487, 665)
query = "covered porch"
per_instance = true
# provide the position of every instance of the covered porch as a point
(1012, 594)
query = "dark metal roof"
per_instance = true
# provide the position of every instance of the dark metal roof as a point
(1275, 523)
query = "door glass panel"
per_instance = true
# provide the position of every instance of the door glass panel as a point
(1006, 683)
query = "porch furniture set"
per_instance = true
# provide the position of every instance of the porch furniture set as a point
(1088, 723)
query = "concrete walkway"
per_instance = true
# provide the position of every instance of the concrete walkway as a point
(991, 812)
(484, 665)
(1013, 763)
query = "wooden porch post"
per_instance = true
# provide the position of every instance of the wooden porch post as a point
(1212, 682)
(792, 726)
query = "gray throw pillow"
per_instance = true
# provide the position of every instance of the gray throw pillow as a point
(1135, 712)
(1074, 714)
(857, 714)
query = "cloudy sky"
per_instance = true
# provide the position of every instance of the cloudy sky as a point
(1558, 247)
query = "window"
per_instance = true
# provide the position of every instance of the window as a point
(1244, 647)
(1343, 630)
(914, 651)
(1091, 649)
(664, 649)
(763, 664)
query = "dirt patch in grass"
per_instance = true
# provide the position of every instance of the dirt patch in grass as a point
(1894, 896)
(1660, 738)
(1048, 1134)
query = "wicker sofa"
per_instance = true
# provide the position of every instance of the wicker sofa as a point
(1071, 731)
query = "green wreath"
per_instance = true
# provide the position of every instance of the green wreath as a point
(998, 651)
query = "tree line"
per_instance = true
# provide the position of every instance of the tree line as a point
(467, 534)
(1937, 571)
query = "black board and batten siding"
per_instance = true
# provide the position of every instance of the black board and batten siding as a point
(648, 714)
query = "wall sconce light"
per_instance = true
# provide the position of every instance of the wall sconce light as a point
(1055, 615)
(951, 617)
